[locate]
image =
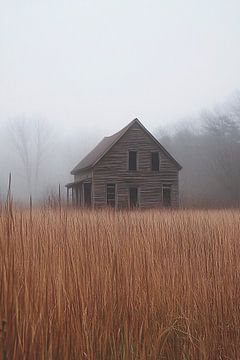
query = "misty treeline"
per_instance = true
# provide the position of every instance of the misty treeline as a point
(40, 155)
(208, 148)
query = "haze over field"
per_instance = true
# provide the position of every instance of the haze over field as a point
(89, 67)
(160, 277)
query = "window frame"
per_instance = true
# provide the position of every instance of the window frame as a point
(159, 161)
(115, 194)
(135, 151)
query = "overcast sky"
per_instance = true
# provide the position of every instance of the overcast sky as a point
(97, 64)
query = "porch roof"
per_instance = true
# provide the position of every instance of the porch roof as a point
(73, 184)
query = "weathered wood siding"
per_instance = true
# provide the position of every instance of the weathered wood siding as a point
(83, 175)
(113, 168)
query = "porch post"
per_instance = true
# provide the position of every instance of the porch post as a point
(67, 196)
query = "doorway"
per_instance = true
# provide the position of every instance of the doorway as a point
(166, 195)
(133, 197)
(87, 188)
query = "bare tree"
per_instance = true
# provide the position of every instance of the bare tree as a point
(223, 132)
(31, 139)
(42, 143)
(20, 135)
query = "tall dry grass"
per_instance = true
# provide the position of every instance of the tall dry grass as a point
(120, 285)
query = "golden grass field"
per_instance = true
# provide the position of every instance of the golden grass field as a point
(120, 285)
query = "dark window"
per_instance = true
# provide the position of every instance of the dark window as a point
(155, 161)
(87, 194)
(133, 197)
(166, 195)
(132, 160)
(111, 194)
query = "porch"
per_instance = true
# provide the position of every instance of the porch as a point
(79, 193)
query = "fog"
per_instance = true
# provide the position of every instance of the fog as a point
(40, 155)
(209, 152)
(84, 69)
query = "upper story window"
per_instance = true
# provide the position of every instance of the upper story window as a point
(132, 160)
(155, 161)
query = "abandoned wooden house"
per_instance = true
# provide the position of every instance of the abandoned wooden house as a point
(128, 169)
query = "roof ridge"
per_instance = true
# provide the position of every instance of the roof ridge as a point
(102, 147)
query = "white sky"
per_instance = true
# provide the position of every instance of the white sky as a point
(94, 65)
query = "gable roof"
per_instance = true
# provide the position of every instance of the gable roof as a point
(94, 156)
